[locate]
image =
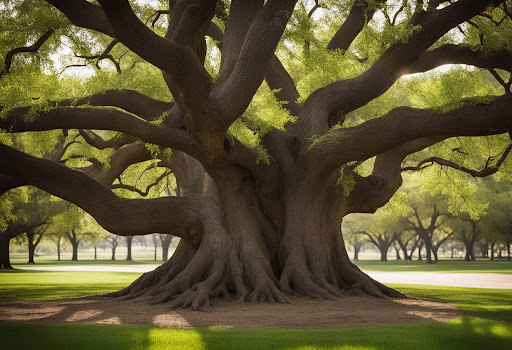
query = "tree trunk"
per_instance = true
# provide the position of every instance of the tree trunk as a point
(357, 248)
(434, 253)
(129, 240)
(95, 252)
(165, 251)
(383, 255)
(113, 253)
(397, 251)
(165, 240)
(58, 250)
(249, 257)
(31, 250)
(492, 250)
(428, 248)
(5, 262)
(74, 245)
(420, 258)
(508, 251)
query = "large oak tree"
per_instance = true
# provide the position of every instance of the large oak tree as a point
(262, 184)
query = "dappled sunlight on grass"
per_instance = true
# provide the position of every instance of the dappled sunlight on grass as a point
(486, 322)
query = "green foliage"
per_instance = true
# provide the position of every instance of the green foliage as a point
(454, 184)
(396, 207)
(6, 208)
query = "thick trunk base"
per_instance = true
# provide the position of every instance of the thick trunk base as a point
(192, 277)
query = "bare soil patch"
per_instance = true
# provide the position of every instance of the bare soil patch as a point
(301, 313)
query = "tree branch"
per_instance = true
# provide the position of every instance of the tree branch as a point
(322, 107)
(455, 54)
(234, 93)
(101, 119)
(186, 217)
(84, 14)
(485, 171)
(360, 14)
(140, 192)
(32, 48)
(403, 125)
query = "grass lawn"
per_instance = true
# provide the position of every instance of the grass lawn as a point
(32, 285)
(486, 322)
(456, 266)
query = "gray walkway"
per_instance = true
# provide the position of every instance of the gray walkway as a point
(472, 280)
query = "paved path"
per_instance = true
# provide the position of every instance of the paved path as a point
(472, 280)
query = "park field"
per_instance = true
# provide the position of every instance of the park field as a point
(443, 265)
(486, 322)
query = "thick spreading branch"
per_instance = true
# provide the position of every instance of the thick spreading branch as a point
(185, 217)
(234, 93)
(84, 14)
(455, 54)
(327, 106)
(100, 119)
(360, 14)
(191, 82)
(403, 125)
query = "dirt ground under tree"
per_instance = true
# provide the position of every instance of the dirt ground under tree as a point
(300, 313)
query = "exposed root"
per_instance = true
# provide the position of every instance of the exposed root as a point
(298, 280)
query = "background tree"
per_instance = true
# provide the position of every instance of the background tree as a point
(129, 240)
(57, 238)
(113, 241)
(165, 242)
(269, 136)
(375, 229)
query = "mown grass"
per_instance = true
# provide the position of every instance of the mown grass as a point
(486, 322)
(454, 266)
(40, 285)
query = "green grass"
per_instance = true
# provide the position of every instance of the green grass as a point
(456, 266)
(40, 285)
(486, 322)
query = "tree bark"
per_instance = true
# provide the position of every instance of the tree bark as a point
(5, 262)
(31, 251)
(166, 242)
(74, 244)
(129, 247)
(397, 252)
(58, 248)
(428, 248)
(33, 242)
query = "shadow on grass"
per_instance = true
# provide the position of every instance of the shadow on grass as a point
(464, 334)
(486, 324)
